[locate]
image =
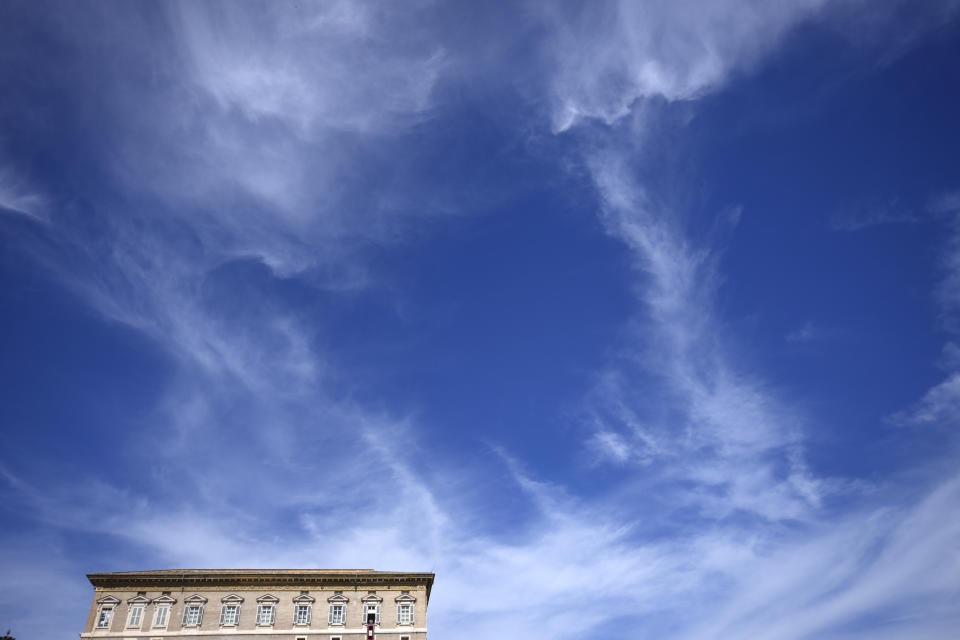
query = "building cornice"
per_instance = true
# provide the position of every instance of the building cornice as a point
(198, 579)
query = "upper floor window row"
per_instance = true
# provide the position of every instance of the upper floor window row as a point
(136, 611)
(231, 607)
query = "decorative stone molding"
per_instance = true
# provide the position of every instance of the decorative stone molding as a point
(190, 580)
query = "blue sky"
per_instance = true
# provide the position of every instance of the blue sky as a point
(635, 318)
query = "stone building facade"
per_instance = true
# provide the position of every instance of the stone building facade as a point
(280, 604)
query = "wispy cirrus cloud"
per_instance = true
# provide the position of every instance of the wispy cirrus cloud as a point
(610, 58)
(257, 119)
(867, 215)
(879, 573)
(701, 420)
(948, 290)
(706, 423)
(262, 117)
(940, 404)
(874, 215)
(678, 405)
(947, 202)
(296, 72)
(808, 332)
(711, 420)
(17, 196)
(822, 581)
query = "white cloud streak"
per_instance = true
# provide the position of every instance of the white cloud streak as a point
(874, 215)
(716, 426)
(612, 56)
(889, 572)
(737, 448)
(737, 442)
(826, 581)
(272, 110)
(296, 70)
(256, 118)
(940, 405)
(17, 196)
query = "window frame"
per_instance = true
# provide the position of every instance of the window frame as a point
(376, 608)
(297, 608)
(230, 601)
(403, 601)
(337, 614)
(232, 608)
(109, 605)
(157, 623)
(195, 601)
(371, 600)
(303, 600)
(188, 619)
(163, 603)
(409, 607)
(264, 602)
(104, 623)
(137, 609)
(340, 601)
(263, 608)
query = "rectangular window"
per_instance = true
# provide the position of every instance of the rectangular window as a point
(404, 637)
(192, 615)
(371, 608)
(265, 614)
(405, 614)
(301, 615)
(135, 616)
(163, 612)
(337, 612)
(230, 614)
(103, 622)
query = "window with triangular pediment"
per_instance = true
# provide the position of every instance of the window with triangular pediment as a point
(193, 610)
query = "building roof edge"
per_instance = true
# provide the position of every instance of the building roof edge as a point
(266, 577)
